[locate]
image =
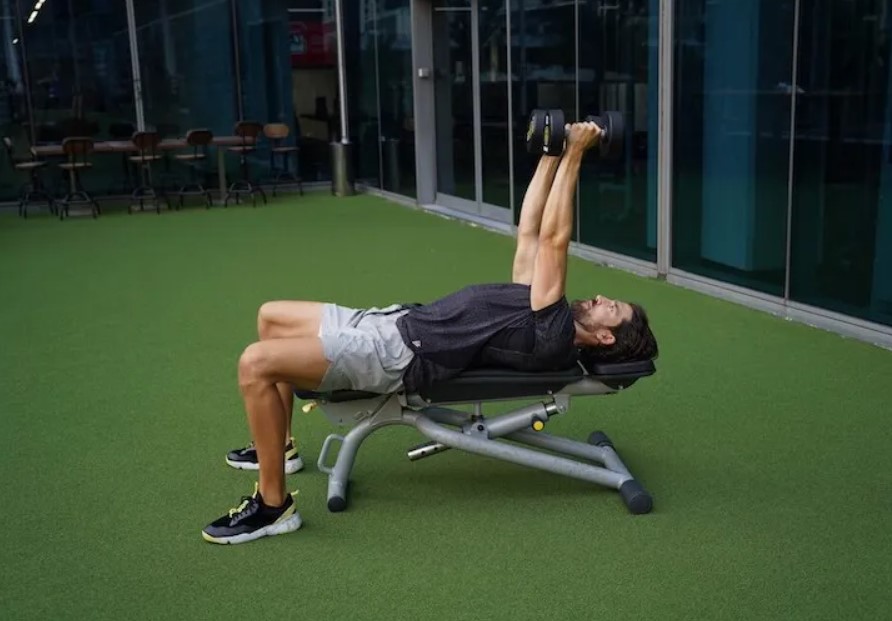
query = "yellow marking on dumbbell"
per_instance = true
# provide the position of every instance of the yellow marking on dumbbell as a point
(538, 425)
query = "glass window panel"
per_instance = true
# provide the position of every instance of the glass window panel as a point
(186, 66)
(454, 95)
(618, 70)
(543, 74)
(14, 121)
(79, 66)
(842, 208)
(361, 42)
(731, 140)
(266, 62)
(395, 87)
(313, 83)
(494, 102)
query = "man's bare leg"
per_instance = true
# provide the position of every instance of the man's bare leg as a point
(282, 320)
(297, 362)
(288, 319)
(531, 218)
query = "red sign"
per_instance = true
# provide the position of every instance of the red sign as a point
(311, 44)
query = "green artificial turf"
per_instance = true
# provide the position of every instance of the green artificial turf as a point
(765, 443)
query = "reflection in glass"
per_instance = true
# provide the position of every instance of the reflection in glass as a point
(14, 121)
(361, 49)
(731, 140)
(395, 88)
(618, 59)
(842, 208)
(494, 102)
(78, 60)
(543, 68)
(454, 94)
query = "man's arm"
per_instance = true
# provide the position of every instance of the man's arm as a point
(550, 269)
(531, 217)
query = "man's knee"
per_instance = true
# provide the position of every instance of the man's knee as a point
(265, 321)
(253, 365)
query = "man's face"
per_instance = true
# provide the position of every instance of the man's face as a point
(599, 315)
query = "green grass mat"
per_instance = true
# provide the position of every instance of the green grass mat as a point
(766, 444)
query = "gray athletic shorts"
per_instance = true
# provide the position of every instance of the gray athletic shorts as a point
(364, 349)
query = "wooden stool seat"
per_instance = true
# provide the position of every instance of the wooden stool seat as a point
(141, 159)
(29, 165)
(75, 165)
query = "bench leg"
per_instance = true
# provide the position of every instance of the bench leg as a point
(613, 474)
(481, 435)
(339, 475)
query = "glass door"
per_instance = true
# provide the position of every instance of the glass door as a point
(454, 93)
(471, 106)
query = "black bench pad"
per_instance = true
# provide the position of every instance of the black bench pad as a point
(490, 384)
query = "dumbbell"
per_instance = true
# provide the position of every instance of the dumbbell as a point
(546, 133)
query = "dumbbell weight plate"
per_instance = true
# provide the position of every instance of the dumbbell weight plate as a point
(612, 148)
(555, 133)
(536, 131)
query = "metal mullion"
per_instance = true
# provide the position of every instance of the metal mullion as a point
(795, 83)
(665, 139)
(475, 76)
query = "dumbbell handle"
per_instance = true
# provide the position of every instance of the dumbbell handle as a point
(597, 120)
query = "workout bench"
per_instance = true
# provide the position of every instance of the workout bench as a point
(447, 428)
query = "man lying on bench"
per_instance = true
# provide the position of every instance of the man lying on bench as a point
(526, 325)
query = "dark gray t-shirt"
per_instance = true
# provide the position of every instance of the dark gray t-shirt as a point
(489, 325)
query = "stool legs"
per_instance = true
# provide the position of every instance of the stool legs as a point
(194, 187)
(285, 174)
(34, 192)
(77, 195)
(244, 186)
(146, 191)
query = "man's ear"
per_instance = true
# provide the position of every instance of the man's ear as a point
(605, 337)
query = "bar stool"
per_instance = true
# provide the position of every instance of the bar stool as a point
(198, 139)
(277, 133)
(76, 149)
(248, 132)
(146, 143)
(30, 191)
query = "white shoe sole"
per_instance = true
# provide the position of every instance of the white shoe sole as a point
(289, 525)
(291, 466)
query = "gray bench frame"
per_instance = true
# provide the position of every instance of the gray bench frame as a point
(515, 436)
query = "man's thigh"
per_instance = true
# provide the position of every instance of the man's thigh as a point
(289, 319)
(300, 362)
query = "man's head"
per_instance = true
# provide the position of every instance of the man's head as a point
(612, 331)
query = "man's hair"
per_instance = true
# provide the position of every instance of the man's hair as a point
(634, 341)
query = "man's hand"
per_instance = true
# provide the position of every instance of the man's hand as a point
(582, 136)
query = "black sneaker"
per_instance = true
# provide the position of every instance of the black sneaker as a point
(246, 458)
(252, 519)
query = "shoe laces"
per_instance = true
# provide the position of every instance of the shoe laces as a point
(247, 502)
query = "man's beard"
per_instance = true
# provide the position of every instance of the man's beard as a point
(577, 308)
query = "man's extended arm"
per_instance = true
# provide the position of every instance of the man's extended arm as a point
(531, 217)
(555, 232)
